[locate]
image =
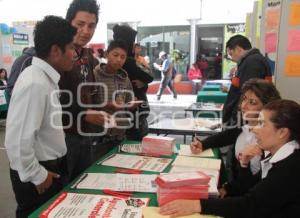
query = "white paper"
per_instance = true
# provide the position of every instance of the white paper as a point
(204, 163)
(146, 163)
(76, 205)
(131, 148)
(213, 174)
(117, 182)
(185, 150)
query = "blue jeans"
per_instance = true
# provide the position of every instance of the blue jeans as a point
(166, 81)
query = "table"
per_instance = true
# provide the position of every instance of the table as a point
(211, 96)
(209, 87)
(186, 126)
(3, 100)
(107, 169)
(200, 109)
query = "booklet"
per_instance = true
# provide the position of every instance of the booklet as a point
(137, 162)
(204, 163)
(117, 182)
(77, 205)
(185, 150)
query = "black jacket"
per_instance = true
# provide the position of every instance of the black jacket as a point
(253, 65)
(276, 196)
(18, 66)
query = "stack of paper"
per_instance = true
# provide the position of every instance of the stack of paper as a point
(190, 185)
(213, 191)
(150, 212)
(158, 145)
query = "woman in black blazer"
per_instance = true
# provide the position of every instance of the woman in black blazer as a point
(277, 193)
(255, 94)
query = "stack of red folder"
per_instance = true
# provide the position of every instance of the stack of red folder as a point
(189, 185)
(158, 145)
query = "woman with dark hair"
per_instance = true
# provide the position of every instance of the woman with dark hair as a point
(255, 94)
(277, 193)
(3, 77)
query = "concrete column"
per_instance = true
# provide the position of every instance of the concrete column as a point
(193, 43)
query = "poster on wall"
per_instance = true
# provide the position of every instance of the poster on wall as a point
(272, 21)
(229, 31)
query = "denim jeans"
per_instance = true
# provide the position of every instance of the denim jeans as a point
(166, 81)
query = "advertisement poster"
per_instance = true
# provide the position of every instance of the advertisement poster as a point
(78, 205)
(229, 31)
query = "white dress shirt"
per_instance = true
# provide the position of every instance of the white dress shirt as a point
(282, 153)
(34, 127)
(247, 137)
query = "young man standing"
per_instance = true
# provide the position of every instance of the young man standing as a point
(34, 136)
(78, 92)
(250, 64)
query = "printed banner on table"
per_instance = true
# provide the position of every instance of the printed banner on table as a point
(76, 205)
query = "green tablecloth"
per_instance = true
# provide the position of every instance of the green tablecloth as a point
(211, 96)
(211, 88)
(107, 169)
(3, 100)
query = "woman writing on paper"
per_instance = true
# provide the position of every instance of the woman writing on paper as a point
(277, 193)
(255, 94)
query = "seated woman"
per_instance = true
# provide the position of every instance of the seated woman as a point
(255, 94)
(195, 75)
(277, 193)
(3, 77)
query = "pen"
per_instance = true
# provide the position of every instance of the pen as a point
(129, 171)
(117, 193)
(82, 177)
(105, 159)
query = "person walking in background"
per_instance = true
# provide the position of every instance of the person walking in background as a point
(250, 64)
(166, 69)
(34, 137)
(3, 77)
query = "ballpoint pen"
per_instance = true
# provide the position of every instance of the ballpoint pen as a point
(117, 193)
(128, 171)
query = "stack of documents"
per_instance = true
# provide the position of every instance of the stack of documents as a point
(189, 185)
(188, 162)
(158, 145)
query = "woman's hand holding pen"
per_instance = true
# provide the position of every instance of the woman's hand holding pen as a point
(196, 146)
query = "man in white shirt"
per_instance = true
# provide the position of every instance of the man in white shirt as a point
(34, 137)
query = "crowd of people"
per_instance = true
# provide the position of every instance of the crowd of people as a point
(69, 107)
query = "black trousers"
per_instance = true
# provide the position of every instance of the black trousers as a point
(84, 151)
(27, 197)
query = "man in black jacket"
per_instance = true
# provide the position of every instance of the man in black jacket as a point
(18, 66)
(250, 64)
